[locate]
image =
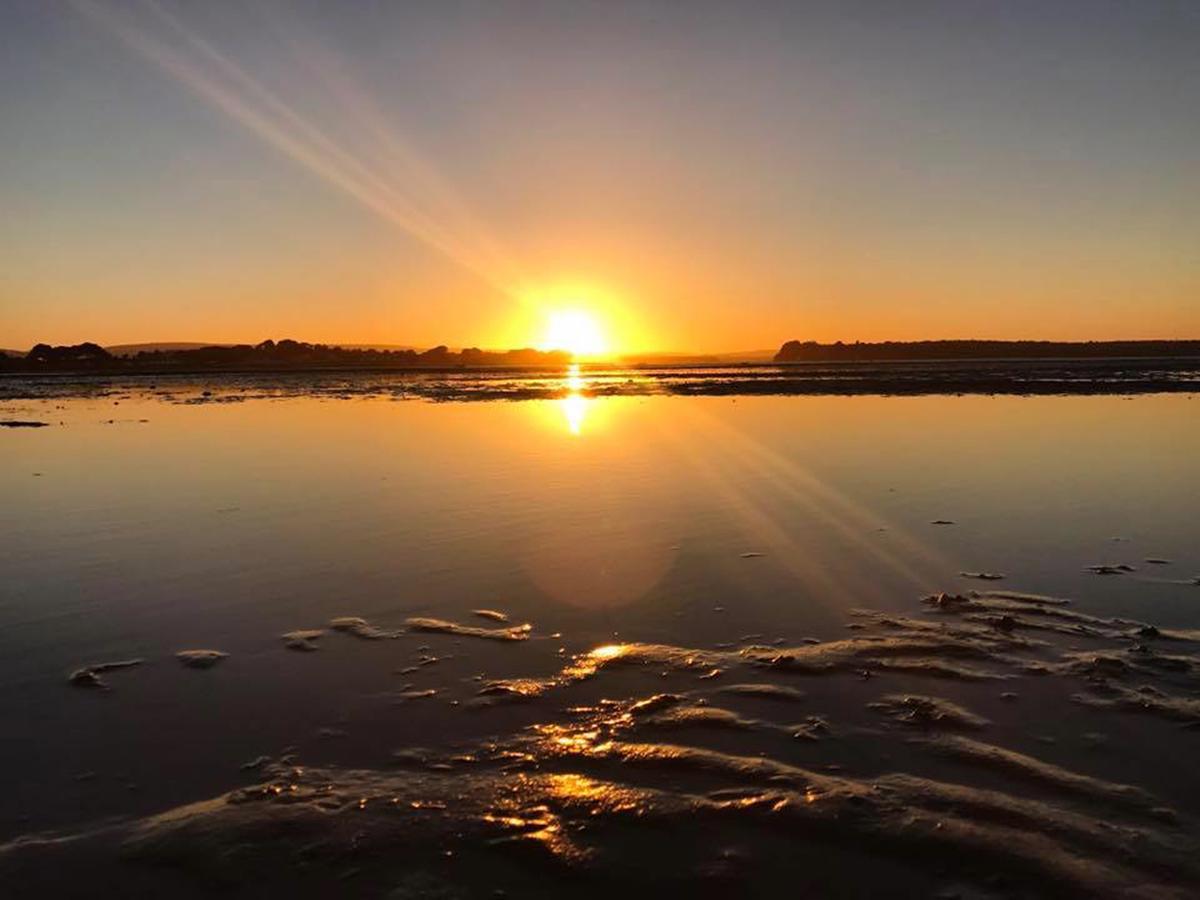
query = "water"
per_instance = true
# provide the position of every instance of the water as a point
(143, 522)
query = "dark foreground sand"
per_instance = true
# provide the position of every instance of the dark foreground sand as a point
(742, 770)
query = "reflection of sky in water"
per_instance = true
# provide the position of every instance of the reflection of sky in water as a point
(655, 503)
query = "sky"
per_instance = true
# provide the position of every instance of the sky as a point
(695, 176)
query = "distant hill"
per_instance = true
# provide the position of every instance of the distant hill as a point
(159, 346)
(811, 351)
(268, 356)
(698, 359)
(386, 347)
(132, 349)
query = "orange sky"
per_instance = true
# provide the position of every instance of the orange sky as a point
(699, 181)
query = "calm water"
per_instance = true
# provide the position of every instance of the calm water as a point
(137, 525)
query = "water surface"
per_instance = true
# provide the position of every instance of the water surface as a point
(142, 521)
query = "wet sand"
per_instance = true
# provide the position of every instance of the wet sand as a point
(634, 768)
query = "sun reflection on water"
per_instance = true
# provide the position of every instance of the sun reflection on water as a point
(575, 405)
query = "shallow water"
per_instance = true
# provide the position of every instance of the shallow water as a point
(140, 523)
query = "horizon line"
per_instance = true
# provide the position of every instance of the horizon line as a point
(418, 347)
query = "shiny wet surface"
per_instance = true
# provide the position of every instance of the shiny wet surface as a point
(709, 525)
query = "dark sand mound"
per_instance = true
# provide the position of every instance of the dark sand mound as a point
(304, 639)
(200, 659)
(90, 676)
(494, 614)
(360, 628)
(441, 626)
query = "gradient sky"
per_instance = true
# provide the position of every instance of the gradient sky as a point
(707, 176)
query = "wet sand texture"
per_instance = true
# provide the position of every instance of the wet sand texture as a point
(634, 772)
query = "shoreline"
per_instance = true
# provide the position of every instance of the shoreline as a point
(1009, 377)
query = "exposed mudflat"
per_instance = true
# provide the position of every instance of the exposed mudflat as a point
(1025, 377)
(632, 767)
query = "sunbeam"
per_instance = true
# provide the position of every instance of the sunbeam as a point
(807, 496)
(407, 192)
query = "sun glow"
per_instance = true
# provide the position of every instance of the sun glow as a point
(576, 331)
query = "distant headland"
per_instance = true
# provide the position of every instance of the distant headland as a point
(298, 356)
(884, 351)
(270, 356)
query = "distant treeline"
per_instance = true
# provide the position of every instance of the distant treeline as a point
(269, 356)
(811, 351)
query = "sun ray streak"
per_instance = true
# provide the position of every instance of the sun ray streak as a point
(917, 561)
(397, 155)
(424, 207)
(908, 558)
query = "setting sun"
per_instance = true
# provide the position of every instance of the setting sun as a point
(576, 331)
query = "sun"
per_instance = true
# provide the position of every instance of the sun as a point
(576, 331)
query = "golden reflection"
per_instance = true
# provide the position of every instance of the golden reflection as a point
(608, 651)
(588, 664)
(600, 795)
(534, 823)
(574, 408)
(581, 741)
(575, 405)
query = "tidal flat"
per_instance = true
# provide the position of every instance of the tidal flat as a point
(598, 640)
